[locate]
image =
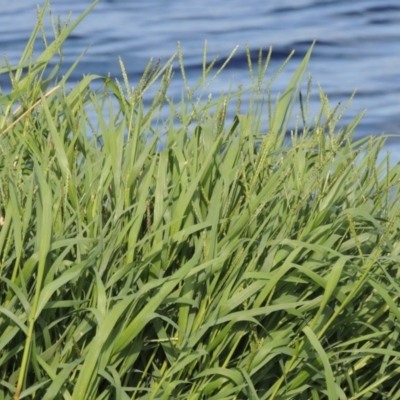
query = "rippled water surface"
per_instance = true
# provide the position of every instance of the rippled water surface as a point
(358, 44)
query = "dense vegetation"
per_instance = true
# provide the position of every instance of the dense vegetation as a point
(190, 256)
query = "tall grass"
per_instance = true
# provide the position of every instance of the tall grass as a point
(193, 256)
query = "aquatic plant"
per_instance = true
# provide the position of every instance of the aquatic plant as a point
(190, 256)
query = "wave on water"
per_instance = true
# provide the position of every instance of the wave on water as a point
(357, 44)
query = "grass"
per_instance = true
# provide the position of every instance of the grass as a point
(190, 256)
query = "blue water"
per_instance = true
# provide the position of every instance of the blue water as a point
(358, 45)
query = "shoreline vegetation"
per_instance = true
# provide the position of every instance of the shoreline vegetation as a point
(190, 257)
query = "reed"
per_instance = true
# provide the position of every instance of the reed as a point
(191, 256)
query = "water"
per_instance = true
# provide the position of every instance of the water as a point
(358, 44)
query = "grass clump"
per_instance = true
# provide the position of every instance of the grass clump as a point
(190, 256)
